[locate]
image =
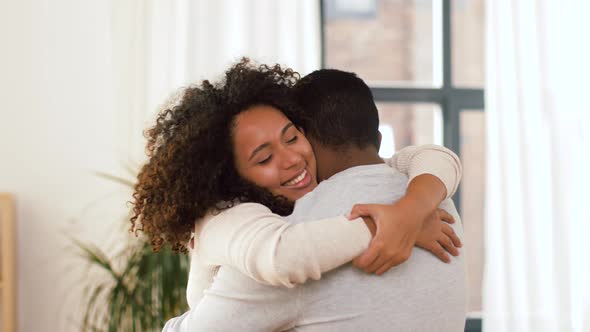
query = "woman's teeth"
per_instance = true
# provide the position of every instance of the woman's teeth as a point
(297, 179)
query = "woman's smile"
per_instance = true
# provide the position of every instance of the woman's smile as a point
(300, 181)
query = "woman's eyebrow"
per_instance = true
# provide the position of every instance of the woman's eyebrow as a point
(265, 145)
(260, 147)
(289, 125)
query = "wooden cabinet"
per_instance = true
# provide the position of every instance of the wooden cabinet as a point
(7, 263)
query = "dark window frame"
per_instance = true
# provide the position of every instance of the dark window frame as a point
(451, 99)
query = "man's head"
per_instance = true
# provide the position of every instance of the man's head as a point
(340, 117)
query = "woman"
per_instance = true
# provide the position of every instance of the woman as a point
(197, 172)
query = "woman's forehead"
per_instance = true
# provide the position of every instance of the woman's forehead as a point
(264, 125)
(264, 119)
(262, 111)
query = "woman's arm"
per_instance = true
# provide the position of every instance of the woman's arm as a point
(270, 250)
(436, 160)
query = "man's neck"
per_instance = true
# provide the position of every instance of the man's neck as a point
(353, 157)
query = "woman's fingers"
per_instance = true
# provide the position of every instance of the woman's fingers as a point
(369, 256)
(361, 210)
(385, 268)
(448, 245)
(377, 263)
(450, 232)
(440, 252)
(377, 260)
(445, 216)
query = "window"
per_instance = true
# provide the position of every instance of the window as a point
(424, 61)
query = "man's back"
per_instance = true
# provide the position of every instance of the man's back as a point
(423, 294)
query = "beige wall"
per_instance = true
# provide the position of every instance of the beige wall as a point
(57, 125)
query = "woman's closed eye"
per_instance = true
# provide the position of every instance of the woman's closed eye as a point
(265, 161)
(293, 140)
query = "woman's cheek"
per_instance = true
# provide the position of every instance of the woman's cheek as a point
(306, 150)
(267, 178)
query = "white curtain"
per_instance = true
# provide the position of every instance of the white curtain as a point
(159, 46)
(537, 268)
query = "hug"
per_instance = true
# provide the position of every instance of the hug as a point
(295, 221)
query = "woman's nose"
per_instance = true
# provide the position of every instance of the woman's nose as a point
(290, 158)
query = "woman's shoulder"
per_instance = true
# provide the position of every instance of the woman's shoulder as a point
(243, 211)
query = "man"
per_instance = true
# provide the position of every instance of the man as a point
(423, 294)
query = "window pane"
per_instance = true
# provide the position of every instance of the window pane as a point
(386, 42)
(472, 200)
(408, 124)
(467, 20)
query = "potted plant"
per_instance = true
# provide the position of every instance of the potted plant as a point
(142, 290)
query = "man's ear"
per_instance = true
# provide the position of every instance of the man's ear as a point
(379, 137)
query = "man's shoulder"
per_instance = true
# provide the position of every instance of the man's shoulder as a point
(379, 179)
(360, 176)
(363, 184)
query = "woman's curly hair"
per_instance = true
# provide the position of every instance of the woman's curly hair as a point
(191, 169)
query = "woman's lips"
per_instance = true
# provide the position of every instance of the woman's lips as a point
(301, 181)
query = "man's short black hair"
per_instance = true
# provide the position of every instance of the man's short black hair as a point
(339, 110)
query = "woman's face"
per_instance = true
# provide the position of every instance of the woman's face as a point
(272, 153)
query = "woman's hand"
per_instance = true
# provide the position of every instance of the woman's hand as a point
(438, 237)
(398, 228)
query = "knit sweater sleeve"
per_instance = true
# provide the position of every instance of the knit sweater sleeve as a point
(429, 159)
(268, 249)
